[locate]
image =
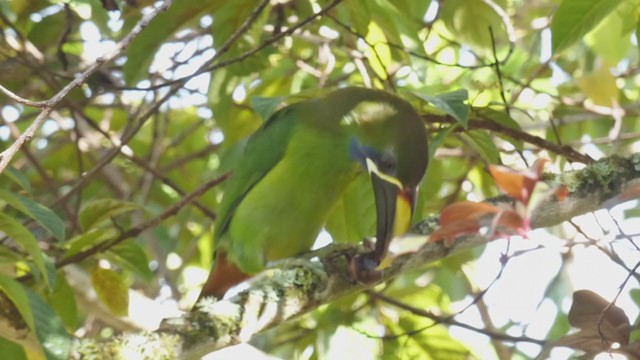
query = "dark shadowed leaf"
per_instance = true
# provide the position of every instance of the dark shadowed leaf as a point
(19, 179)
(41, 214)
(23, 237)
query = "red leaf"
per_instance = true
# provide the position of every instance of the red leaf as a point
(453, 230)
(465, 210)
(461, 218)
(518, 184)
(511, 220)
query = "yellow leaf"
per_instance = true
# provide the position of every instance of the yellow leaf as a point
(599, 86)
(112, 290)
(380, 55)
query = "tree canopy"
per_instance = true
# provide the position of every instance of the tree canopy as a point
(120, 121)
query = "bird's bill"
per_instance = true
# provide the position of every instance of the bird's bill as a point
(394, 210)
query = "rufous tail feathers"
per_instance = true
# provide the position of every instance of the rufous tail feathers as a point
(223, 276)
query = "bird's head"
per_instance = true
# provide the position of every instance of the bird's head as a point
(390, 142)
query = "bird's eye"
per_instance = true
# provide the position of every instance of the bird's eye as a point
(387, 163)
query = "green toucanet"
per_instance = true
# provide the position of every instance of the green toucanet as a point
(297, 166)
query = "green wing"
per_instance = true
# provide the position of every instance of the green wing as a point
(263, 151)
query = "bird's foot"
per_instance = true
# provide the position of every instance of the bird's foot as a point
(363, 268)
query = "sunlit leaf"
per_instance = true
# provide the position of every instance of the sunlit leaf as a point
(452, 103)
(575, 18)
(611, 39)
(380, 55)
(470, 21)
(112, 290)
(600, 86)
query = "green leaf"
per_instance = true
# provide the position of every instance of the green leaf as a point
(19, 178)
(88, 239)
(266, 106)
(23, 237)
(63, 301)
(112, 290)
(452, 103)
(97, 211)
(132, 257)
(611, 39)
(575, 18)
(482, 143)
(470, 21)
(11, 350)
(439, 139)
(40, 318)
(41, 214)
(500, 117)
(8, 256)
(432, 343)
(143, 48)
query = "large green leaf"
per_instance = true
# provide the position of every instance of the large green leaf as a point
(89, 239)
(132, 257)
(23, 237)
(97, 211)
(40, 318)
(482, 143)
(611, 39)
(62, 299)
(41, 214)
(575, 18)
(452, 103)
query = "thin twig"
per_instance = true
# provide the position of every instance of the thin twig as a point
(7, 155)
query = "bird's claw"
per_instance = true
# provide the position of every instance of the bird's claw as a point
(363, 268)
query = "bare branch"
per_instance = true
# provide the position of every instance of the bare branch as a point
(7, 155)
